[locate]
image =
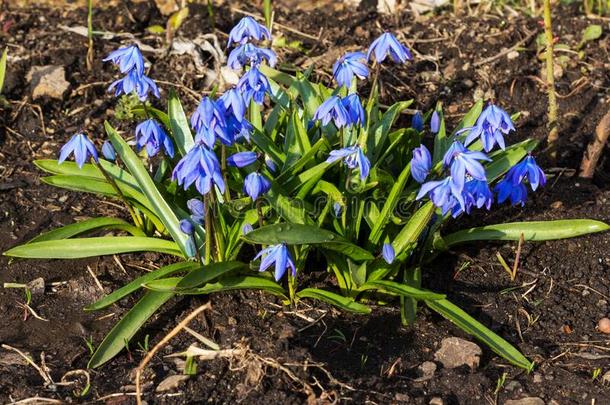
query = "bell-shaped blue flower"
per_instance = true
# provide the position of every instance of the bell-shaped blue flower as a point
(248, 29)
(443, 193)
(127, 58)
(527, 169)
(491, 126)
(255, 185)
(150, 134)
(248, 53)
(417, 122)
(332, 110)
(337, 209)
(462, 161)
(208, 115)
(348, 66)
(388, 253)
(477, 194)
(270, 164)
(253, 86)
(108, 151)
(201, 167)
(387, 44)
(242, 159)
(186, 227)
(237, 130)
(353, 157)
(421, 164)
(246, 229)
(81, 147)
(354, 109)
(233, 102)
(507, 189)
(197, 209)
(279, 255)
(135, 82)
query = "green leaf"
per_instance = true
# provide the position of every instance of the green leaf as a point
(159, 205)
(478, 330)
(127, 327)
(471, 116)
(591, 33)
(88, 225)
(3, 68)
(401, 289)
(239, 283)
(178, 123)
(390, 204)
(379, 132)
(264, 143)
(410, 233)
(534, 231)
(296, 141)
(297, 234)
(207, 273)
(339, 301)
(90, 247)
(291, 209)
(138, 282)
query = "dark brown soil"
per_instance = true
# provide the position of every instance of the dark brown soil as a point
(550, 311)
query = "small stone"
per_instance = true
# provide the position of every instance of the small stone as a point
(36, 286)
(426, 371)
(48, 81)
(537, 378)
(436, 401)
(525, 401)
(388, 6)
(456, 352)
(606, 378)
(402, 397)
(166, 7)
(557, 205)
(603, 325)
(512, 55)
(172, 382)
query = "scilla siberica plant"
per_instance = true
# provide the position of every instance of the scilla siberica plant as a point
(280, 175)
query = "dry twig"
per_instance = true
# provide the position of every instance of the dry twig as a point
(595, 148)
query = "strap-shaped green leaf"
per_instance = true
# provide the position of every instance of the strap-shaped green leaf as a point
(3, 67)
(339, 301)
(297, 234)
(138, 282)
(401, 289)
(379, 132)
(127, 327)
(534, 231)
(88, 225)
(179, 124)
(90, 247)
(410, 233)
(148, 187)
(230, 283)
(478, 330)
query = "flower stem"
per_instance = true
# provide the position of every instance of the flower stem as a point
(136, 218)
(208, 232)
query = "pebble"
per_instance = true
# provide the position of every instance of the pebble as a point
(606, 378)
(48, 81)
(512, 55)
(172, 382)
(603, 325)
(525, 401)
(436, 401)
(36, 286)
(513, 385)
(426, 371)
(537, 378)
(456, 352)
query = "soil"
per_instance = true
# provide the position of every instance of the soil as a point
(314, 353)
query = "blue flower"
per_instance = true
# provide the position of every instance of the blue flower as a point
(199, 166)
(127, 58)
(462, 161)
(478, 194)
(491, 126)
(209, 122)
(246, 229)
(388, 253)
(270, 164)
(527, 169)
(150, 134)
(354, 157)
(337, 209)
(135, 82)
(254, 85)
(348, 66)
(197, 209)
(421, 164)
(238, 129)
(255, 184)
(246, 29)
(332, 109)
(108, 151)
(248, 53)
(435, 122)
(82, 148)
(507, 189)
(233, 103)
(279, 255)
(417, 122)
(443, 193)
(186, 227)
(354, 109)
(387, 44)
(242, 159)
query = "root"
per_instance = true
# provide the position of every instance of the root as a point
(595, 148)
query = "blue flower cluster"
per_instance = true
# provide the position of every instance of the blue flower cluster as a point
(131, 63)
(466, 185)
